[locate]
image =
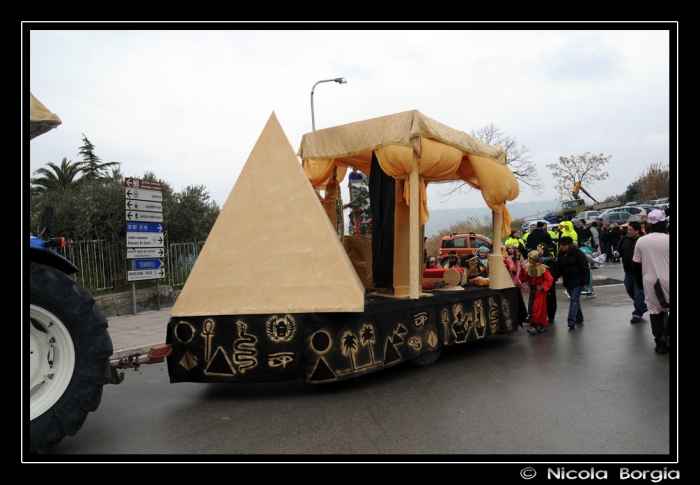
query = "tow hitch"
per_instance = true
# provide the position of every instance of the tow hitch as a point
(133, 360)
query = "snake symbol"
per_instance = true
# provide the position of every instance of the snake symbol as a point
(244, 349)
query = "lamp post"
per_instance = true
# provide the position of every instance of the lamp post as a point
(339, 80)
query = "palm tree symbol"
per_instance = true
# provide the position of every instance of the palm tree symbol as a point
(350, 345)
(368, 336)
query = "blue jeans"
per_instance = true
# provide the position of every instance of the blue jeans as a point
(575, 316)
(637, 294)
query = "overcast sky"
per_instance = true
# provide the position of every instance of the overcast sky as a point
(189, 105)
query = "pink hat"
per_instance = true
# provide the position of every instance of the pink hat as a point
(656, 216)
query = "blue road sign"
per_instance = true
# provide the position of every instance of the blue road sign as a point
(148, 264)
(145, 227)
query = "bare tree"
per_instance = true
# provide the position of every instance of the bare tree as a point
(517, 160)
(655, 181)
(584, 169)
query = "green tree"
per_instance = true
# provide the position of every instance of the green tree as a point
(517, 159)
(91, 210)
(584, 169)
(92, 166)
(190, 214)
(56, 177)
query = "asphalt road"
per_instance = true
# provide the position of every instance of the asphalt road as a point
(598, 392)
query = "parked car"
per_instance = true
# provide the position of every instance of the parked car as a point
(618, 217)
(463, 244)
(587, 216)
(551, 218)
(633, 209)
(641, 218)
(529, 220)
(647, 207)
(662, 200)
(609, 209)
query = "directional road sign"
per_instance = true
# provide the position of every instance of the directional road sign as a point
(144, 216)
(148, 264)
(136, 253)
(133, 183)
(142, 205)
(142, 194)
(145, 227)
(145, 274)
(144, 240)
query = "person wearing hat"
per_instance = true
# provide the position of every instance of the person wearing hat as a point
(540, 280)
(474, 268)
(551, 263)
(652, 272)
(483, 254)
(566, 228)
(452, 260)
(576, 273)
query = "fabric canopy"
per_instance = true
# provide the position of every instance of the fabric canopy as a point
(41, 119)
(443, 154)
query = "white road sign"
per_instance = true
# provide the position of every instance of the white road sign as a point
(139, 253)
(144, 216)
(141, 194)
(144, 239)
(145, 274)
(142, 205)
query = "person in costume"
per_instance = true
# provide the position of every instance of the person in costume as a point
(514, 262)
(474, 268)
(540, 280)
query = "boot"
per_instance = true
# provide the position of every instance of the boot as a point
(657, 330)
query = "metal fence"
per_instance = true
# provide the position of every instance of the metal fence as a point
(103, 264)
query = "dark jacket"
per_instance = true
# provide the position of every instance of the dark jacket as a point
(605, 235)
(584, 234)
(626, 249)
(615, 235)
(551, 264)
(537, 236)
(574, 268)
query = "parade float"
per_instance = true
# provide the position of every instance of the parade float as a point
(279, 292)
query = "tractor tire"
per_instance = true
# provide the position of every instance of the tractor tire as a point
(427, 358)
(70, 350)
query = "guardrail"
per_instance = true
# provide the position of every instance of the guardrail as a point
(103, 264)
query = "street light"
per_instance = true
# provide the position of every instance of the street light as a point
(339, 80)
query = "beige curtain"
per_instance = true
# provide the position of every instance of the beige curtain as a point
(438, 161)
(319, 171)
(496, 183)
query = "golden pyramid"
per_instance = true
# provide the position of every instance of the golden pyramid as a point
(272, 248)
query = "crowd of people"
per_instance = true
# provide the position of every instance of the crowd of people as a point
(541, 257)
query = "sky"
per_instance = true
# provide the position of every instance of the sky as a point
(189, 104)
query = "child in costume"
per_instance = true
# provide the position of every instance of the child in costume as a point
(540, 280)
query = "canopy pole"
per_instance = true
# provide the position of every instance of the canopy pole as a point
(499, 277)
(414, 248)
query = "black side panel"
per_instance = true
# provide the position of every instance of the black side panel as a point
(382, 200)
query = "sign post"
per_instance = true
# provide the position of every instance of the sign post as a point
(145, 232)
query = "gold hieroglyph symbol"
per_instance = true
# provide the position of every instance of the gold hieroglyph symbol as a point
(432, 339)
(415, 342)
(419, 319)
(244, 349)
(493, 315)
(188, 361)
